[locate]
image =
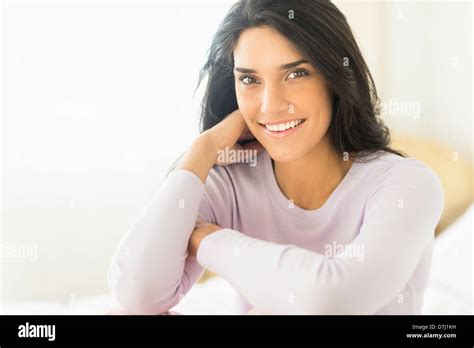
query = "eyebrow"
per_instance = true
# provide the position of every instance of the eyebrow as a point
(282, 67)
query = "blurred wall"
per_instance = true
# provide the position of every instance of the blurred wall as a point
(98, 102)
(420, 54)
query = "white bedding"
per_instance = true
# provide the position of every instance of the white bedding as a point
(215, 296)
(451, 282)
(449, 290)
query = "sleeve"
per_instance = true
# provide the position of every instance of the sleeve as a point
(150, 270)
(400, 217)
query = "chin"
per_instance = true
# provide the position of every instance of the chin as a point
(279, 155)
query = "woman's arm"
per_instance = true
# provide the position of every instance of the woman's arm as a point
(150, 269)
(200, 157)
(203, 154)
(286, 279)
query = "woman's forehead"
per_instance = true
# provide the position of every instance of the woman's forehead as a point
(264, 48)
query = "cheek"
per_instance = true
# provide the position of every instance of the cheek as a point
(316, 104)
(248, 105)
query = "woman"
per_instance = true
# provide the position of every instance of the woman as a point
(328, 220)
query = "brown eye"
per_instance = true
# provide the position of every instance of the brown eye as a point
(250, 80)
(298, 73)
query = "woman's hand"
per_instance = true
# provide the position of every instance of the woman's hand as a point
(204, 151)
(201, 230)
(228, 134)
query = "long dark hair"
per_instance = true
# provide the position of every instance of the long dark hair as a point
(320, 31)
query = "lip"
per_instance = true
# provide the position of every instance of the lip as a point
(281, 134)
(281, 121)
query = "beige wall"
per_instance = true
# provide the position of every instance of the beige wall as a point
(420, 54)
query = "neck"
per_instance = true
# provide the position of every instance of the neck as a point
(309, 181)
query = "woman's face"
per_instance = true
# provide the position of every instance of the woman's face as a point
(273, 98)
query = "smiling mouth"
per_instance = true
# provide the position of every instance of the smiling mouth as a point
(282, 126)
(279, 129)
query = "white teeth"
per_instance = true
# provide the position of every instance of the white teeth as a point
(283, 126)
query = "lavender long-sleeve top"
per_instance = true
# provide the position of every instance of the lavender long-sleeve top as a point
(367, 250)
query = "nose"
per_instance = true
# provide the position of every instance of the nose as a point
(273, 101)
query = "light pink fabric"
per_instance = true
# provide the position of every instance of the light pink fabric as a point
(281, 258)
(121, 311)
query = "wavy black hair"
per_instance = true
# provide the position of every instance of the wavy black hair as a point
(319, 30)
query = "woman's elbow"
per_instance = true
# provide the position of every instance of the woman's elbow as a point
(134, 296)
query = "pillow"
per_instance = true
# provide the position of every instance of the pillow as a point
(450, 286)
(455, 172)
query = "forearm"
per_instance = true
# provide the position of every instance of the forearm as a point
(203, 153)
(147, 268)
(152, 267)
(285, 279)
(200, 157)
(271, 277)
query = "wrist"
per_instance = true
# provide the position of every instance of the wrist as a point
(200, 157)
(212, 141)
(206, 147)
